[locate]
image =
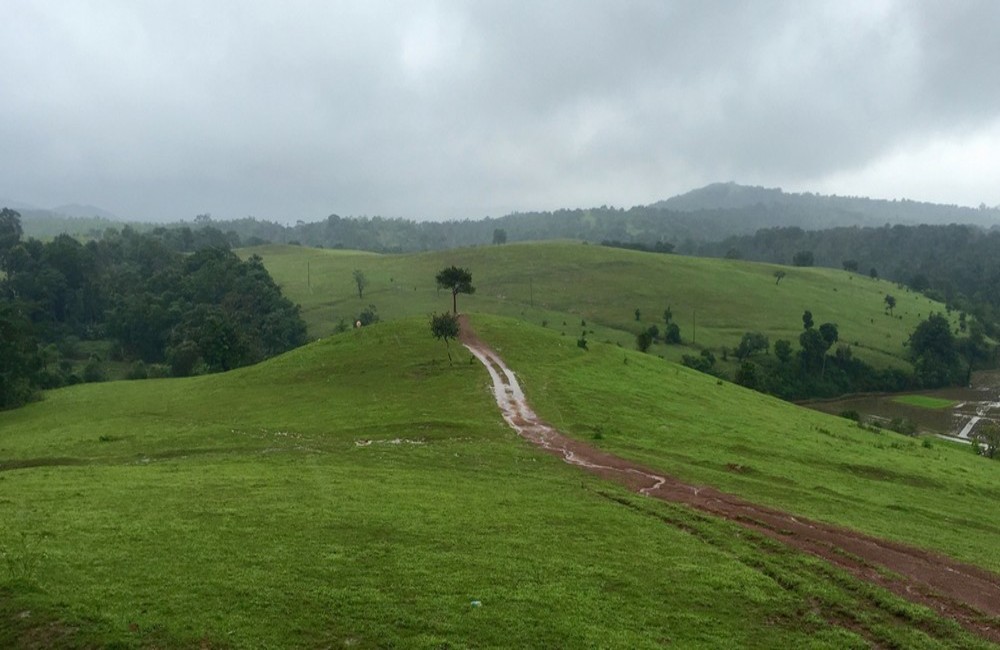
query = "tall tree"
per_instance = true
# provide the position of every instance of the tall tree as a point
(457, 281)
(360, 281)
(935, 353)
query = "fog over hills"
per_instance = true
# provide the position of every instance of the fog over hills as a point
(724, 208)
(822, 211)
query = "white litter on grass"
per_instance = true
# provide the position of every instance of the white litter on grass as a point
(394, 441)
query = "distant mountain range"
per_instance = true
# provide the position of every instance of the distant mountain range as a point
(74, 210)
(708, 214)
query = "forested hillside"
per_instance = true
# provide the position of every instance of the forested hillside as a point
(958, 264)
(68, 309)
(708, 214)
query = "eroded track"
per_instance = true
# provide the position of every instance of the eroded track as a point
(965, 593)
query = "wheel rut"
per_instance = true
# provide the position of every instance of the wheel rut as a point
(966, 593)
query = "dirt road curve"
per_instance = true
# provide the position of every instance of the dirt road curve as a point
(960, 591)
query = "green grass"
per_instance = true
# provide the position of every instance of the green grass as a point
(566, 284)
(924, 401)
(361, 492)
(705, 431)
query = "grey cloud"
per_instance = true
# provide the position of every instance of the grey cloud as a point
(444, 109)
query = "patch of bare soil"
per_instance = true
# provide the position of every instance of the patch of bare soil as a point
(965, 593)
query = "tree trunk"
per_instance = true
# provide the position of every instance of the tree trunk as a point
(454, 302)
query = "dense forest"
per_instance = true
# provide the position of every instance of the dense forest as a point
(67, 308)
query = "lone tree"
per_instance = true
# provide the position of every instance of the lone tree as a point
(457, 281)
(890, 303)
(778, 275)
(361, 281)
(499, 236)
(936, 360)
(445, 326)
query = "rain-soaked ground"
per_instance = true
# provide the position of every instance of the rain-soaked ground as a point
(973, 406)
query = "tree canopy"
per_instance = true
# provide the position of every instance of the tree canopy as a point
(203, 312)
(445, 326)
(456, 280)
(935, 354)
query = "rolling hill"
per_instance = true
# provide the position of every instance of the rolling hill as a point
(362, 492)
(573, 287)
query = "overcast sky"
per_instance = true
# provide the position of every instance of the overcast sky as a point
(297, 109)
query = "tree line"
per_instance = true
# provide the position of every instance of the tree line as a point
(824, 366)
(146, 303)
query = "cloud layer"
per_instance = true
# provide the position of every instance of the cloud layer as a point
(296, 109)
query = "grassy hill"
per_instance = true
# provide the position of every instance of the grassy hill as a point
(566, 284)
(362, 492)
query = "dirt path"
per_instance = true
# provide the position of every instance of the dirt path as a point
(959, 591)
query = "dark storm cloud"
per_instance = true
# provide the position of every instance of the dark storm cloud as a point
(444, 109)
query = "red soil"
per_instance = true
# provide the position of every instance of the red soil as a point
(965, 593)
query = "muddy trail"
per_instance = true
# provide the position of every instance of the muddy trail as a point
(965, 593)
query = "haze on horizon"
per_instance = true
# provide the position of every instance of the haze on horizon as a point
(435, 110)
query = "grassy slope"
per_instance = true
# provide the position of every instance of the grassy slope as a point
(714, 301)
(824, 467)
(239, 510)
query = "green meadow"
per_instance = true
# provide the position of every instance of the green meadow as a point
(574, 287)
(706, 431)
(925, 401)
(362, 491)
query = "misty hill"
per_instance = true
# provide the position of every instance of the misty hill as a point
(682, 223)
(709, 214)
(811, 211)
(84, 211)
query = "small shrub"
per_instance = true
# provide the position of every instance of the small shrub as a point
(93, 372)
(158, 371)
(902, 425)
(138, 371)
(369, 316)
